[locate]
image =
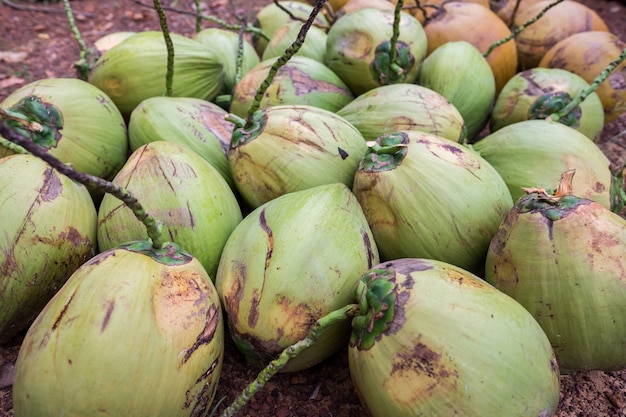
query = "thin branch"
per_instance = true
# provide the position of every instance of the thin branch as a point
(30, 8)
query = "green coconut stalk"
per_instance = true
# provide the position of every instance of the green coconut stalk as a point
(226, 44)
(396, 107)
(563, 258)
(289, 263)
(435, 340)
(459, 72)
(359, 49)
(428, 197)
(148, 297)
(48, 230)
(534, 153)
(198, 208)
(540, 92)
(292, 148)
(195, 123)
(301, 80)
(89, 131)
(314, 46)
(136, 69)
(276, 14)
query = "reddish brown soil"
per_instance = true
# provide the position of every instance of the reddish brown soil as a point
(35, 42)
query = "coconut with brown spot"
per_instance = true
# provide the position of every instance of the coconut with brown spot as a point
(48, 230)
(135, 331)
(301, 80)
(563, 258)
(289, 263)
(434, 340)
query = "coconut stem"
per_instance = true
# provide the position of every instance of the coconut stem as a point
(220, 22)
(240, 51)
(154, 228)
(282, 60)
(393, 52)
(519, 29)
(239, 122)
(83, 66)
(12, 146)
(8, 114)
(169, 76)
(592, 88)
(196, 4)
(318, 329)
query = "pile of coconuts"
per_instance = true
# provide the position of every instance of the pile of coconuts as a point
(336, 175)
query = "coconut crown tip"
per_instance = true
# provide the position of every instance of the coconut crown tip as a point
(564, 188)
(376, 298)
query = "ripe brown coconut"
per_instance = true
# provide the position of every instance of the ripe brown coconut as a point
(426, 9)
(481, 27)
(508, 9)
(587, 54)
(535, 40)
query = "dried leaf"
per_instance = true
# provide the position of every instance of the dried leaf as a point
(12, 57)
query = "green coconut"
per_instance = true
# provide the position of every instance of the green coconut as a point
(195, 123)
(136, 331)
(301, 80)
(459, 72)
(225, 43)
(196, 205)
(435, 340)
(89, 131)
(273, 16)
(538, 93)
(48, 230)
(136, 69)
(287, 264)
(314, 45)
(425, 196)
(292, 148)
(534, 153)
(395, 107)
(563, 258)
(358, 49)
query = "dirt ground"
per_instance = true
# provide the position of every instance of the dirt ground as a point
(35, 42)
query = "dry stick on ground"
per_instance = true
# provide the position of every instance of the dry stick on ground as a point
(222, 23)
(30, 8)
